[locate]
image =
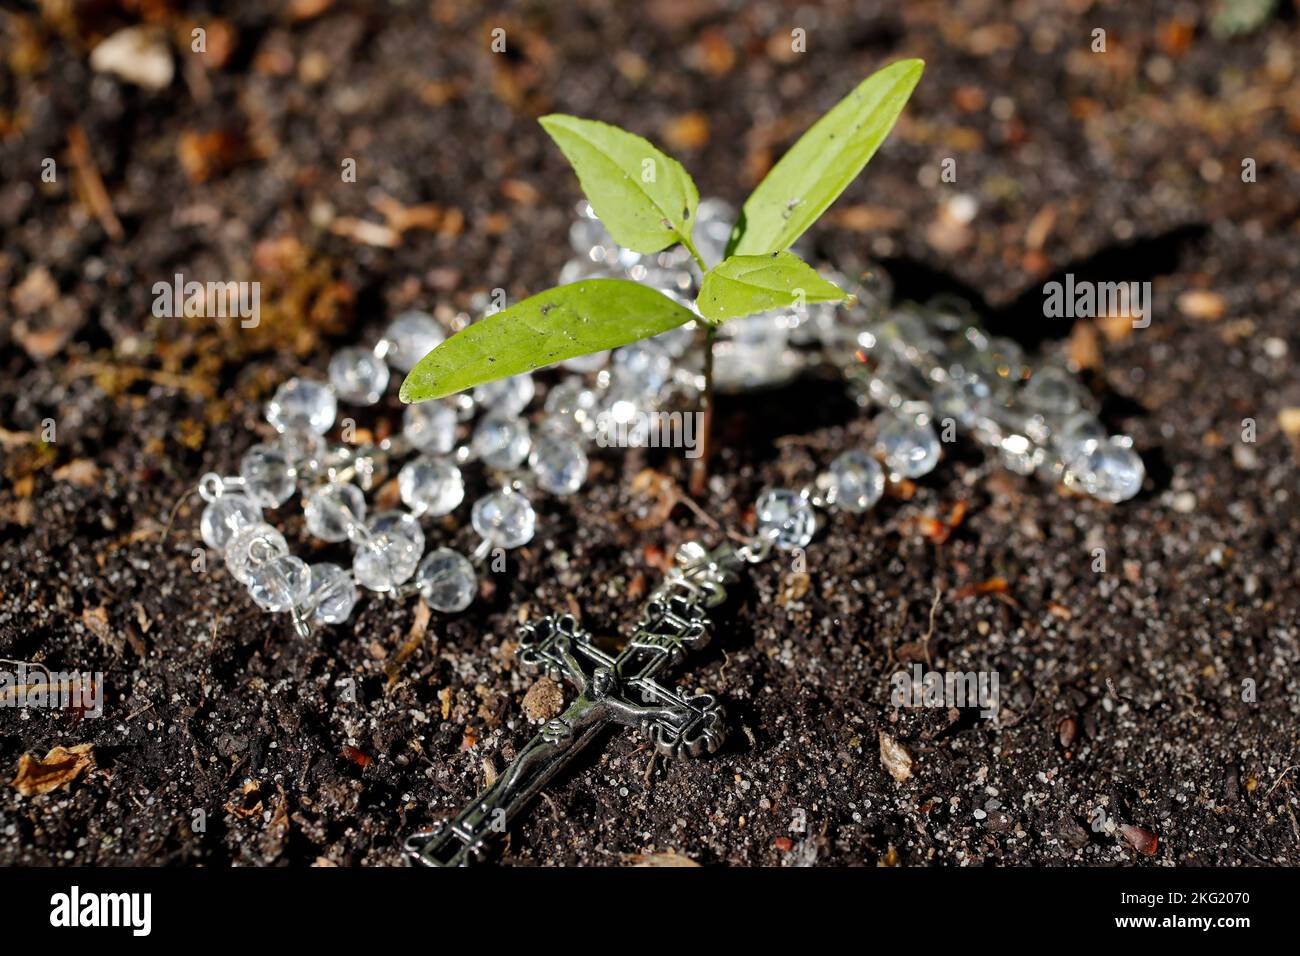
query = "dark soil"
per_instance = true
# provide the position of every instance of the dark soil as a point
(1122, 690)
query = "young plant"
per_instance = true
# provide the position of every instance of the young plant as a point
(647, 202)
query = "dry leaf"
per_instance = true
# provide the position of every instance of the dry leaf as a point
(240, 806)
(895, 757)
(60, 766)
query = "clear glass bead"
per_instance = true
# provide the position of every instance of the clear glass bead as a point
(620, 423)
(390, 552)
(1051, 392)
(786, 517)
(358, 375)
(752, 351)
(559, 463)
(501, 442)
(410, 337)
(572, 407)
(965, 399)
(303, 448)
(430, 427)
(909, 445)
(505, 397)
(431, 486)
(333, 594)
(225, 515)
(1075, 433)
(1019, 453)
(1006, 359)
(252, 545)
(333, 509)
(447, 580)
(268, 474)
(279, 584)
(504, 518)
(1110, 470)
(645, 365)
(302, 404)
(855, 481)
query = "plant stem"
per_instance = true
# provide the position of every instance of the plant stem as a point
(700, 472)
(695, 254)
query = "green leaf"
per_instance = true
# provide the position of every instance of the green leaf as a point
(743, 285)
(549, 327)
(816, 169)
(612, 167)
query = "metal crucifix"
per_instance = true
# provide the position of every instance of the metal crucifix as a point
(611, 690)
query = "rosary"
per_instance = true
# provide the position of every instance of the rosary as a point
(928, 369)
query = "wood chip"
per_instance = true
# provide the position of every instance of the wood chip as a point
(83, 473)
(895, 757)
(37, 291)
(1199, 304)
(670, 858)
(57, 768)
(138, 55)
(96, 619)
(365, 232)
(1288, 419)
(793, 587)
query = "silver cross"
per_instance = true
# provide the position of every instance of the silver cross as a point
(611, 690)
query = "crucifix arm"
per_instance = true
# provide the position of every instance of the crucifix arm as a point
(628, 713)
(566, 659)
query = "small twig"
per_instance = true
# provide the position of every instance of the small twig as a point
(92, 183)
(934, 609)
(555, 811)
(9, 660)
(172, 517)
(146, 707)
(699, 512)
(1279, 780)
